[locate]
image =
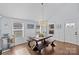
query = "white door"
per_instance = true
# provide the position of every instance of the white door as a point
(71, 33)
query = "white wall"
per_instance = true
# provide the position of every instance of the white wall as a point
(6, 27)
(60, 13)
(0, 36)
(21, 10)
(56, 13)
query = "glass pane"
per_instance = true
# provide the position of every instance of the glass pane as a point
(37, 26)
(51, 26)
(18, 33)
(17, 26)
(30, 26)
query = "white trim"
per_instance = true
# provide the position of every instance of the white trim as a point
(18, 29)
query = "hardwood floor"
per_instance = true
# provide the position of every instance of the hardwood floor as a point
(62, 48)
(18, 50)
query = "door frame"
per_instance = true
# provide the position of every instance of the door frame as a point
(75, 33)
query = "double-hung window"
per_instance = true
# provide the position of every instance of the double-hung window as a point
(18, 29)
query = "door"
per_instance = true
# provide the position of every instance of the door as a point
(71, 33)
(71, 37)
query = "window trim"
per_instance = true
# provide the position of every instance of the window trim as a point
(18, 29)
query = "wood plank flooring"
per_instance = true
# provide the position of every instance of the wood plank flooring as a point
(62, 48)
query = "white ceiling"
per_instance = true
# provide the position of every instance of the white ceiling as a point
(35, 11)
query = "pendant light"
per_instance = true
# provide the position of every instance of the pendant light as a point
(43, 21)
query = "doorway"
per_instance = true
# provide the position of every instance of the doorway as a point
(71, 32)
(71, 37)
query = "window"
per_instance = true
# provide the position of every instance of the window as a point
(51, 31)
(37, 26)
(18, 29)
(30, 26)
(70, 24)
(17, 26)
(18, 33)
(51, 28)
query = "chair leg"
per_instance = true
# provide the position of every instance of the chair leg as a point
(39, 52)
